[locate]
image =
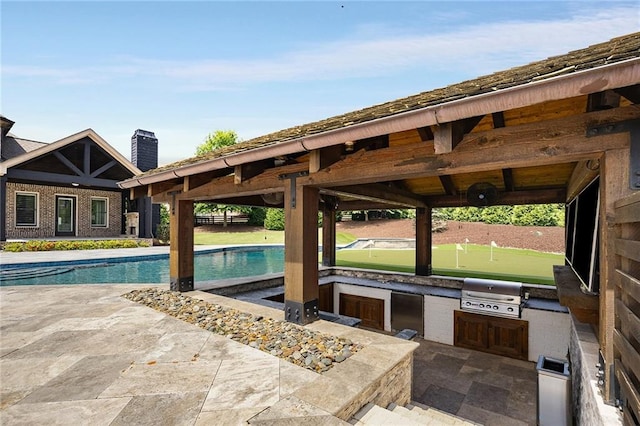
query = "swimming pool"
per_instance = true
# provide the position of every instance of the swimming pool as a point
(216, 264)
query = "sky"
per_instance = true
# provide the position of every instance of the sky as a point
(185, 69)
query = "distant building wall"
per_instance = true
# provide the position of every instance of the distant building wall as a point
(45, 227)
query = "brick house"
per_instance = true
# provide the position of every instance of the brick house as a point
(67, 188)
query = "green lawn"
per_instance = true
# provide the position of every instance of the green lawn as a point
(515, 264)
(260, 237)
(525, 265)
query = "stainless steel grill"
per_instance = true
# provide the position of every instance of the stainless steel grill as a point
(492, 297)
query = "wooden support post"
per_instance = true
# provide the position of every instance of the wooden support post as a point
(328, 235)
(614, 185)
(181, 251)
(423, 241)
(301, 254)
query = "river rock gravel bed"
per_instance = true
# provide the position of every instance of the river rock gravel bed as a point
(303, 347)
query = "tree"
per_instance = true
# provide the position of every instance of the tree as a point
(217, 140)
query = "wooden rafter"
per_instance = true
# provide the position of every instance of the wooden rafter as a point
(322, 158)
(448, 185)
(540, 196)
(243, 172)
(378, 193)
(507, 177)
(498, 119)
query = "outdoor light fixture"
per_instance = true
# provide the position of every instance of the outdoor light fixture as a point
(75, 184)
(348, 146)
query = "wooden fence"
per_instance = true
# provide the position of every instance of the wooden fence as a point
(626, 338)
(219, 220)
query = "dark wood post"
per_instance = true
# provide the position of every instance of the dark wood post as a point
(301, 253)
(181, 251)
(423, 241)
(328, 235)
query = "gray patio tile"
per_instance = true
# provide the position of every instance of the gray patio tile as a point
(176, 347)
(230, 417)
(244, 383)
(168, 410)
(96, 412)
(293, 377)
(488, 397)
(158, 378)
(25, 374)
(442, 398)
(86, 379)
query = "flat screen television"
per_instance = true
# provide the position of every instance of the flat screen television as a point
(582, 241)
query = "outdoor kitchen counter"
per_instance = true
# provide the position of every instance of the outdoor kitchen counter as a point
(427, 290)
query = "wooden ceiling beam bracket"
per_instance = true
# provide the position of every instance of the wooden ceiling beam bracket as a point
(322, 158)
(448, 135)
(633, 127)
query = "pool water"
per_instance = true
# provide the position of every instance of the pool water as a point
(211, 265)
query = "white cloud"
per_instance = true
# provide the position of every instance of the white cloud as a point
(481, 49)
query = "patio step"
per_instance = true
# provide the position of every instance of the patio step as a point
(374, 415)
(429, 415)
(409, 415)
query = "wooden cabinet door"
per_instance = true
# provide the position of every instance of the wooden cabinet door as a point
(509, 337)
(470, 330)
(325, 298)
(368, 309)
(501, 336)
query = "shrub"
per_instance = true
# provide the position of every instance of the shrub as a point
(257, 215)
(162, 231)
(274, 220)
(535, 215)
(496, 215)
(39, 245)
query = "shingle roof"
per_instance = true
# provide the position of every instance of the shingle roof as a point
(13, 147)
(616, 50)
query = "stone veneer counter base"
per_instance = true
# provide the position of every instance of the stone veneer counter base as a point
(379, 372)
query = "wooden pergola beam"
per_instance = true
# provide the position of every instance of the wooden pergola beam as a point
(551, 142)
(377, 193)
(541, 196)
(583, 173)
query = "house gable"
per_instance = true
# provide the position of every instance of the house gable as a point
(84, 159)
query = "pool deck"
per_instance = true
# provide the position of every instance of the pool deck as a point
(81, 354)
(75, 255)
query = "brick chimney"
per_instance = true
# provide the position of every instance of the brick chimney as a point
(144, 155)
(144, 150)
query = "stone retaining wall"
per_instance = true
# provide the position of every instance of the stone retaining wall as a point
(588, 405)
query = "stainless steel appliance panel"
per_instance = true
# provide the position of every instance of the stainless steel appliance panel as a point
(407, 311)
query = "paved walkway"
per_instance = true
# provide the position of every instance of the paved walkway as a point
(75, 255)
(76, 355)
(484, 388)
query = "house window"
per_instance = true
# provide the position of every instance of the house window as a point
(26, 209)
(99, 212)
